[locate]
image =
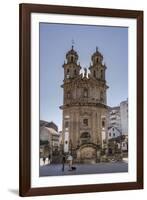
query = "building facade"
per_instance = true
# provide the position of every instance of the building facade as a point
(118, 117)
(49, 139)
(84, 107)
(49, 124)
(113, 132)
(114, 118)
(124, 117)
(118, 121)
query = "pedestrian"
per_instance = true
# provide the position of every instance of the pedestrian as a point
(44, 159)
(63, 162)
(70, 159)
(49, 159)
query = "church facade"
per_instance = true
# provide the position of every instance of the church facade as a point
(84, 108)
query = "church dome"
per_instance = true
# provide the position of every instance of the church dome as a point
(97, 56)
(72, 52)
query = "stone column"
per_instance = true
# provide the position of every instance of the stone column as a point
(74, 129)
(98, 155)
(77, 134)
(93, 126)
(71, 126)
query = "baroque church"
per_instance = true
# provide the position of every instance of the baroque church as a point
(84, 108)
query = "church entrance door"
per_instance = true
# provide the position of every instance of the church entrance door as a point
(87, 153)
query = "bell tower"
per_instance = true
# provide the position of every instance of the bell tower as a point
(71, 75)
(97, 68)
(71, 68)
(97, 72)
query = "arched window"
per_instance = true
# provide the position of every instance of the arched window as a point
(85, 122)
(101, 96)
(66, 124)
(103, 123)
(85, 92)
(101, 74)
(67, 73)
(94, 73)
(75, 72)
(72, 59)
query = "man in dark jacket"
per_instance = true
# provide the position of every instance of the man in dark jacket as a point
(63, 162)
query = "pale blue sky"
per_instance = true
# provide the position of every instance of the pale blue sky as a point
(56, 40)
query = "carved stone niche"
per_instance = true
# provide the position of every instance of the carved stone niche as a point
(83, 113)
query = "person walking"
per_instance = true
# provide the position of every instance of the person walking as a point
(44, 159)
(70, 160)
(63, 162)
(49, 159)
